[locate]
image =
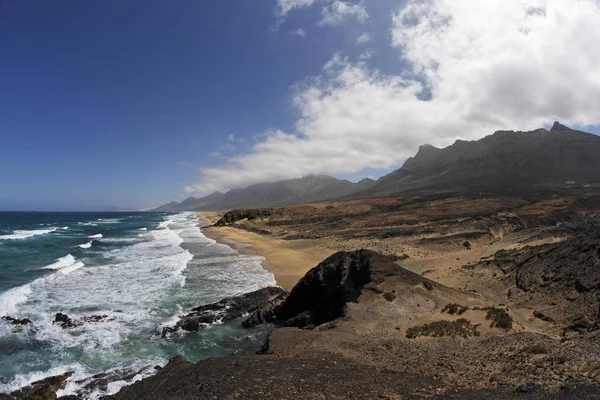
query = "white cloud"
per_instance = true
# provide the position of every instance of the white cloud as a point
(474, 67)
(299, 32)
(340, 10)
(364, 38)
(366, 55)
(284, 7)
(230, 137)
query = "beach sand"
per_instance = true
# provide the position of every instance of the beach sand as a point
(288, 261)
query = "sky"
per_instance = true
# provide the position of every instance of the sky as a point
(135, 103)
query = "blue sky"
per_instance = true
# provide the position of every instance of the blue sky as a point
(139, 102)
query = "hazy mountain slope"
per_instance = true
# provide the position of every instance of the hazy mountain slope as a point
(504, 159)
(190, 203)
(309, 189)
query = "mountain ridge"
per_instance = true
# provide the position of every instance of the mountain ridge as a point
(504, 159)
(309, 189)
(500, 161)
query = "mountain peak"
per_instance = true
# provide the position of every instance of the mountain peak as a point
(558, 127)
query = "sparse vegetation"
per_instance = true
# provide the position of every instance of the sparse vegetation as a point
(454, 308)
(467, 245)
(428, 285)
(461, 327)
(499, 317)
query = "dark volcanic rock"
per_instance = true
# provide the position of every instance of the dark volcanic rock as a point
(95, 318)
(66, 322)
(562, 278)
(321, 295)
(44, 389)
(17, 321)
(237, 215)
(226, 309)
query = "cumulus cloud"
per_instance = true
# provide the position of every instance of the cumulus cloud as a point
(339, 11)
(284, 7)
(364, 38)
(473, 68)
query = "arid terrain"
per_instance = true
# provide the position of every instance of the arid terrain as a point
(476, 250)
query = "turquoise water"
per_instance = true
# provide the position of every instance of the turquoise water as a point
(143, 270)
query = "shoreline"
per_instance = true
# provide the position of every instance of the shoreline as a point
(288, 261)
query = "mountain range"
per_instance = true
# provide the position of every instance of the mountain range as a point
(311, 188)
(505, 159)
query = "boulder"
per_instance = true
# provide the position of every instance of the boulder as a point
(321, 295)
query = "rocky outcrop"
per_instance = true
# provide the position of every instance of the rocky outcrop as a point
(64, 321)
(563, 279)
(322, 294)
(44, 389)
(17, 321)
(233, 216)
(227, 309)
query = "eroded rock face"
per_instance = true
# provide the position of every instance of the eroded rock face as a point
(226, 309)
(564, 278)
(321, 295)
(237, 215)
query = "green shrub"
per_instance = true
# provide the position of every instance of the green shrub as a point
(499, 317)
(454, 308)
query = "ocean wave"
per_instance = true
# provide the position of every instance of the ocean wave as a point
(143, 280)
(22, 234)
(12, 297)
(86, 245)
(108, 220)
(96, 236)
(65, 265)
(143, 229)
(87, 224)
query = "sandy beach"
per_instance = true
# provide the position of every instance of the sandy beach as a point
(288, 261)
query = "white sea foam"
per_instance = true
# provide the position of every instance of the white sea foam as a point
(108, 220)
(86, 245)
(65, 265)
(16, 235)
(11, 298)
(96, 236)
(87, 224)
(143, 229)
(138, 285)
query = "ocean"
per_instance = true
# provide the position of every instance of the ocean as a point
(142, 270)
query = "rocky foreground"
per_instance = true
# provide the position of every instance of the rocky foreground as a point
(519, 319)
(342, 333)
